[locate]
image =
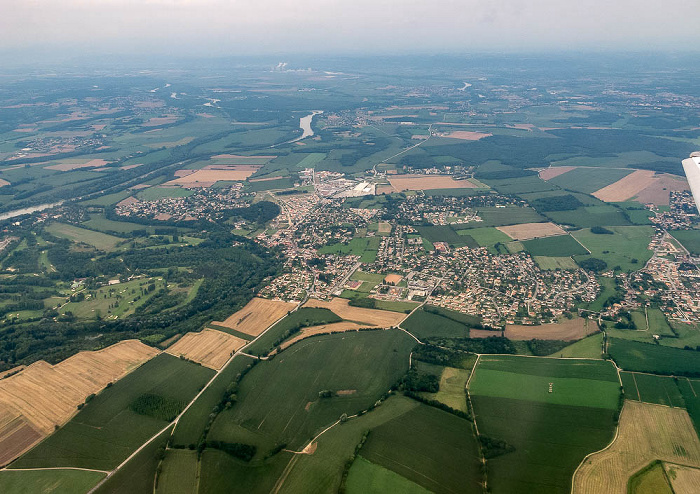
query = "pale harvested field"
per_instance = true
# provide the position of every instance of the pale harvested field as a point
(336, 327)
(16, 436)
(207, 178)
(659, 191)
(64, 167)
(554, 171)
(383, 189)
(3, 182)
(238, 168)
(527, 231)
(646, 433)
(424, 182)
(627, 187)
(384, 227)
(128, 201)
(371, 317)
(257, 315)
(156, 121)
(684, 480)
(237, 156)
(467, 135)
(47, 395)
(211, 348)
(567, 330)
(12, 371)
(483, 333)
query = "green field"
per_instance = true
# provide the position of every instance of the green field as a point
(690, 390)
(108, 419)
(370, 277)
(511, 215)
(648, 357)
(453, 385)
(690, 239)
(430, 447)
(155, 193)
(628, 247)
(590, 383)
(651, 479)
(278, 400)
(588, 216)
(108, 200)
(178, 472)
(100, 241)
(557, 246)
(589, 179)
(445, 233)
(589, 347)
(424, 324)
(548, 436)
(649, 388)
(366, 477)
(608, 289)
(99, 222)
(366, 248)
(487, 236)
(48, 481)
(552, 263)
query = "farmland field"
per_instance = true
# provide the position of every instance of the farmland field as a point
(452, 391)
(109, 418)
(650, 480)
(209, 347)
(627, 187)
(439, 453)
(100, 241)
(566, 329)
(646, 433)
(552, 263)
(647, 357)
(178, 472)
(374, 317)
(48, 481)
(589, 347)
(257, 316)
(366, 248)
(366, 477)
(528, 231)
(690, 239)
(589, 216)
(486, 236)
(648, 388)
(684, 480)
(278, 400)
(627, 247)
(589, 179)
(424, 324)
(557, 246)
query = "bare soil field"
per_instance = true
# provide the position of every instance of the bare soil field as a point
(257, 315)
(646, 433)
(627, 187)
(567, 330)
(684, 480)
(207, 178)
(425, 182)
(16, 436)
(128, 201)
(47, 395)
(659, 191)
(64, 167)
(336, 327)
(467, 135)
(156, 121)
(370, 317)
(384, 189)
(384, 227)
(483, 333)
(211, 348)
(528, 231)
(554, 171)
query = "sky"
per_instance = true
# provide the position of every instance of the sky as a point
(253, 27)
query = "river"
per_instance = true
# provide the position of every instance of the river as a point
(29, 210)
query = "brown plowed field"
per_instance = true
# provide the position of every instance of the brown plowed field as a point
(336, 327)
(207, 178)
(370, 317)
(567, 330)
(425, 182)
(527, 231)
(554, 171)
(16, 437)
(467, 135)
(47, 395)
(211, 348)
(257, 315)
(627, 187)
(646, 433)
(659, 191)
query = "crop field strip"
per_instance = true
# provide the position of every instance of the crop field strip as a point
(646, 433)
(41, 397)
(650, 388)
(209, 347)
(374, 317)
(552, 434)
(528, 231)
(566, 329)
(257, 316)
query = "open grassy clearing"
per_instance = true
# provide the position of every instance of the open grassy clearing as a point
(565, 329)
(690, 239)
(221, 473)
(590, 347)
(109, 417)
(487, 236)
(366, 248)
(650, 480)
(453, 385)
(590, 383)
(424, 324)
(430, 447)
(589, 180)
(278, 400)
(48, 481)
(656, 359)
(155, 193)
(554, 263)
(589, 216)
(100, 241)
(646, 433)
(322, 471)
(648, 388)
(510, 215)
(366, 477)
(557, 246)
(98, 221)
(627, 247)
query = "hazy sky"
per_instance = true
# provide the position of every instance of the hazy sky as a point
(241, 27)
